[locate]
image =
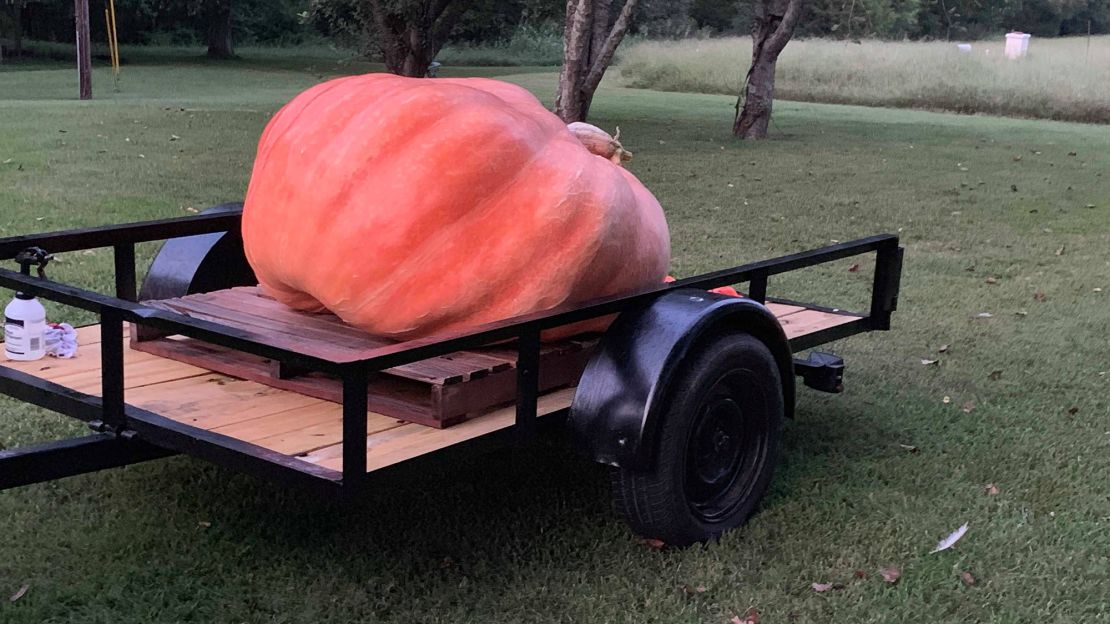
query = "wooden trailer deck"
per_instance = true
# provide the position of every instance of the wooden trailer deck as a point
(296, 424)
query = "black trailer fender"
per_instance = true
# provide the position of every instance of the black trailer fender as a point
(614, 417)
(197, 264)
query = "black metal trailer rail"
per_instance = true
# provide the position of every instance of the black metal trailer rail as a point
(126, 433)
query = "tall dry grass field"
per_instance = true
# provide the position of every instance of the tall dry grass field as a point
(1059, 79)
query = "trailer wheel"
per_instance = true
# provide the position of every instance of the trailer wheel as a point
(718, 445)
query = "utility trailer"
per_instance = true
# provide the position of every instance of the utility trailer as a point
(685, 394)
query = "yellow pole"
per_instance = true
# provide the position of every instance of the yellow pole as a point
(115, 38)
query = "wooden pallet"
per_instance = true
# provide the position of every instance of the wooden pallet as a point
(439, 392)
(292, 423)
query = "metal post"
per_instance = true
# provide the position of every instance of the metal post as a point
(111, 368)
(527, 380)
(355, 382)
(757, 288)
(125, 271)
(884, 290)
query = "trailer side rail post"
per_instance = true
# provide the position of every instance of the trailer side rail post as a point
(527, 380)
(356, 381)
(884, 291)
(111, 376)
(124, 257)
(757, 287)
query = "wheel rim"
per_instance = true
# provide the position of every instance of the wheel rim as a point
(725, 450)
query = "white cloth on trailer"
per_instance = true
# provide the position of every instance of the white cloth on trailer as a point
(61, 340)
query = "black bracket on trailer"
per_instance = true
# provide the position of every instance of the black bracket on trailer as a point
(821, 371)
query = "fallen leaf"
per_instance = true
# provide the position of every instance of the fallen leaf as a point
(751, 617)
(927, 362)
(995, 375)
(909, 447)
(946, 400)
(968, 407)
(891, 574)
(854, 268)
(990, 489)
(991, 280)
(967, 578)
(1039, 296)
(690, 590)
(1073, 410)
(951, 540)
(943, 349)
(860, 574)
(652, 543)
(19, 593)
(824, 587)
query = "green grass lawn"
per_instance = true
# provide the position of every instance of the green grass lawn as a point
(1018, 400)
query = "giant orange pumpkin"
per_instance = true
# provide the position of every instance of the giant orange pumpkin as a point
(412, 206)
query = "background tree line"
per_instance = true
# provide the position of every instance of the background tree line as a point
(280, 22)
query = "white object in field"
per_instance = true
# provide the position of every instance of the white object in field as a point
(24, 329)
(964, 47)
(61, 340)
(1017, 45)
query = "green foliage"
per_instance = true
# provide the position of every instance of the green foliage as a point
(488, 21)
(860, 18)
(900, 19)
(177, 22)
(527, 45)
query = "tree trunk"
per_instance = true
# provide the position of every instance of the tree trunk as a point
(410, 43)
(84, 52)
(218, 29)
(588, 47)
(570, 100)
(755, 116)
(17, 20)
(772, 27)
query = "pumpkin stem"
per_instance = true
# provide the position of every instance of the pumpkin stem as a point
(599, 142)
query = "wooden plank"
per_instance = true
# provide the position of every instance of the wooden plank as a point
(49, 367)
(328, 432)
(782, 309)
(810, 321)
(212, 401)
(400, 398)
(322, 335)
(407, 441)
(83, 371)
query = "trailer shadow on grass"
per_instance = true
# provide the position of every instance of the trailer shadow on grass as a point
(445, 521)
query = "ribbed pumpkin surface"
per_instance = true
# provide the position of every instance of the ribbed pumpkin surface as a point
(411, 206)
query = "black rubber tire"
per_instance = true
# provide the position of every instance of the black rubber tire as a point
(729, 380)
